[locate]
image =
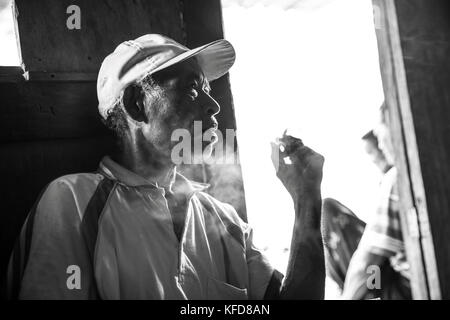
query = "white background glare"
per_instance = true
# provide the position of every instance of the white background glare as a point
(9, 55)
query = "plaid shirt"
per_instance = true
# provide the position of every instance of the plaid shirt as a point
(382, 238)
(383, 234)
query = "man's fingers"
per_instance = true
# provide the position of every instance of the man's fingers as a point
(291, 144)
(273, 154)
(299, 154)
(277, 155)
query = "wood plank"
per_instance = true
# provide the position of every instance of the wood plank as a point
(61, 76)
(414, 56)
(424, 28)
(36, 111)
(52, 47)
(11, 74)
(391, 64)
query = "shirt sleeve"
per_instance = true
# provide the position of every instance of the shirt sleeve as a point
(50, 260)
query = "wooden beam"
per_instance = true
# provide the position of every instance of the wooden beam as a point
(424, 28)
(61, 76)
(414, 45)
(394, 82)
(11, 74)
(49, 110)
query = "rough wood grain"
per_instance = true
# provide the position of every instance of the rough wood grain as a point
(36, 111)
(424, 28)
(48, 45)
(414, 59)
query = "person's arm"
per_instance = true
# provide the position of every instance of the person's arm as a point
(305, 275)
(355, 287)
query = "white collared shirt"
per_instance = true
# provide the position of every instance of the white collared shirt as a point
(135, 251)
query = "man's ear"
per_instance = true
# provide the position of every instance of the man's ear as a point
(133, 102)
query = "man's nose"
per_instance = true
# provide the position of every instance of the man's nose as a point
(210, 106)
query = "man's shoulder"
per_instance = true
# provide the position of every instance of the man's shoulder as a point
(76, 182)
(66, 195)
(77, 187)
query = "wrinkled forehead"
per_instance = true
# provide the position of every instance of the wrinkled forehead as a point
(184, 72)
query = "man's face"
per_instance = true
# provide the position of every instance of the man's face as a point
(376, 155)
(384, 142)
(183, 97)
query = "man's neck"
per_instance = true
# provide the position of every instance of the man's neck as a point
(147, 163)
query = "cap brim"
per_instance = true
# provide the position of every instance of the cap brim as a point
(215, 59)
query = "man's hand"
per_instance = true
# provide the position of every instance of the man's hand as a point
(303, 175)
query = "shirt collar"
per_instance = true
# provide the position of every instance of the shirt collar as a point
(115, 171)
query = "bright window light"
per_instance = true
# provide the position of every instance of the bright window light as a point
(9, 54)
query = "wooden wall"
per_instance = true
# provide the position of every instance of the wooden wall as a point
(414, 46)
(50, 124)
(424, 27)
(104, 25)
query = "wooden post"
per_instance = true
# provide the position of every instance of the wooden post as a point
(414, 46)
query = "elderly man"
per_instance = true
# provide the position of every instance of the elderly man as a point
(137, 229)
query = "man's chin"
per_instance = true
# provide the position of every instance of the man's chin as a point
(208, 148)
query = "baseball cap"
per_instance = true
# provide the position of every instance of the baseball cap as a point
(133, 60)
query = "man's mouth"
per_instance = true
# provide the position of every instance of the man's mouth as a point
(213, 127)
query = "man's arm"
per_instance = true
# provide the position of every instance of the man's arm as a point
(305, 275)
